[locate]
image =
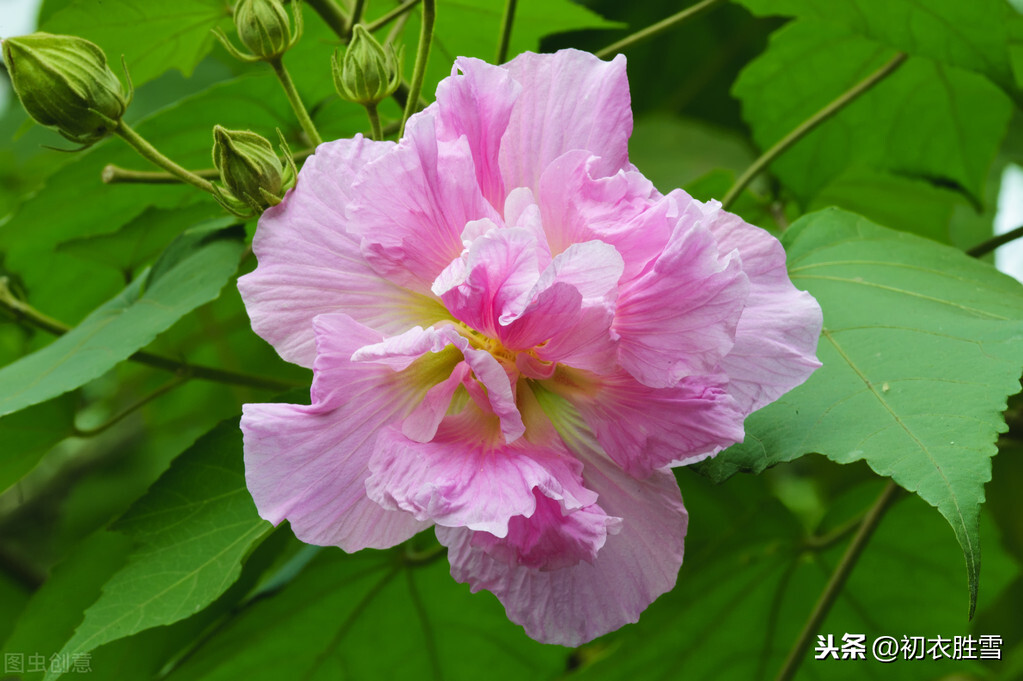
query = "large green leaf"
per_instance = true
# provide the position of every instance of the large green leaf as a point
(971, 35)
(751, 578)
(921, 347)
(373, 615)
(926, 120)
(193, 528)
(153, 36)
(193, 271)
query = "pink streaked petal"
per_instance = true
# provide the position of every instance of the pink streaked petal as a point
(569, 100)
(398, 352)
(500, 389)
(466, 477)
(500, 267)
(412, 204)
(422, 424)
(309, 264)
(576, 604)
(776, 339)
(644, 428)
(624, 209)
(478, 105)
(308, 464)
(679, 317)
(551, 539)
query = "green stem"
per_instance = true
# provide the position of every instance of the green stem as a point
(658, 28)
(360, 5)
(331, 15)
(113, 174)
(391, 16)
(422, 55)
(983, 249)
(809, 124)
(506, 28)
(165, 388)
(374, 121)
(296, 102)
(149, 152)
(23, 311)
(837, 580)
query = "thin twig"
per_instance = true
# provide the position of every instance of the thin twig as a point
(392, 15)
(506, 28)
(658, 28)
(165, 388)
(113, 174)
(983, 249)
(422, 56)
(809, 124)
(837, 580)
(331, 15)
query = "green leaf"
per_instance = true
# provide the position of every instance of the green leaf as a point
(926, 120)
(751, 579)
(128, 322)
(921, 347)
(30, 433)
(372, 616)
(152, 36)
(193, 529)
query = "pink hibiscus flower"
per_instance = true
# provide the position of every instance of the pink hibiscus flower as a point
(513, 336)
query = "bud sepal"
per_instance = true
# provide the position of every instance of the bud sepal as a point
(254, 177)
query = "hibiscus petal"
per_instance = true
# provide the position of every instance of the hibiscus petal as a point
(776, 339)
(467, 477)
(478, 105)
(644, 428)
(413, 203)
(679, 317)
(569, 100)
(309, 464)
(309, 264)
(576, 604)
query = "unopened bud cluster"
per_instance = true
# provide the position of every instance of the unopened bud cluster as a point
(64, 83)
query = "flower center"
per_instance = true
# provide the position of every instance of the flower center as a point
(481, 341)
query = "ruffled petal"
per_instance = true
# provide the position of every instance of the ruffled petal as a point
(310, 264)
(576, 604)
(468, 477)
(309, 464)
(776, 339)
(569, 100)
(411, 205)
(478, 104)
(679, 317)
(644, 428)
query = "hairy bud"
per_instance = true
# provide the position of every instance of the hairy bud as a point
(263, 28)
(250, 169)
(367, 73)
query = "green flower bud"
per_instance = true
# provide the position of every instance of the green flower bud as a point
(250, 169)
(264, 28)
(367, 74)
(64, 82)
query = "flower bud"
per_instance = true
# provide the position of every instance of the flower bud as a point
(250, 169)
(368, 73)
(263, 27)
(63, 81)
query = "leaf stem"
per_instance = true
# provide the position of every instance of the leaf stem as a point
(986, 247)
(837, 580)
(25, 312)
(149, 152)
(422, 56)
(165, 388)
(658, 28)
(392, 15)
(809, 124)
(296, 102)
(331, 15)
(506, 28)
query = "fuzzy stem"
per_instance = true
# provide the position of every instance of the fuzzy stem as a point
(113, 174)
(809, 124)
(392, 15)
(658, 28)
(296, 102)
(149, 152)
(374, 121)
(506, 28)
(837, 580)
(422, 55)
